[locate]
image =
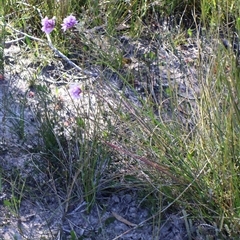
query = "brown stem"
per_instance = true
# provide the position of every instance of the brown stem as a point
(154, 165)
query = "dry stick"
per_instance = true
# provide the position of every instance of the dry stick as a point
(60, 54)
(24, 34)
(8, 43)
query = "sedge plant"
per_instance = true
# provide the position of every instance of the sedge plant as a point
(194, 167)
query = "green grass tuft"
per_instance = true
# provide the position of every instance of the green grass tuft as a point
(183, 153)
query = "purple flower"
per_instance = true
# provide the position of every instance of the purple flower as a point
(68, 22)
(75, 91)
(48, 25)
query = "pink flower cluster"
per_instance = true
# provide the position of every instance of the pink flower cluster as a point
(68, 22)
(49, 24)
(75, 91)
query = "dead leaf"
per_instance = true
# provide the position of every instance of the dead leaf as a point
(1, 77)
(123, 220)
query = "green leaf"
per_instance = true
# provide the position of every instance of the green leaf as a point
(80, 122)
(238, 24)
(73, 235)
(7, 203)
(28, 41)
(189, 31)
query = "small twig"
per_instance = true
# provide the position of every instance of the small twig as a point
(26, 35)
(168, 206)
(60, 54)
(13, 41)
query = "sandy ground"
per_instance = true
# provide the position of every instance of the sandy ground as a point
(115, 215)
